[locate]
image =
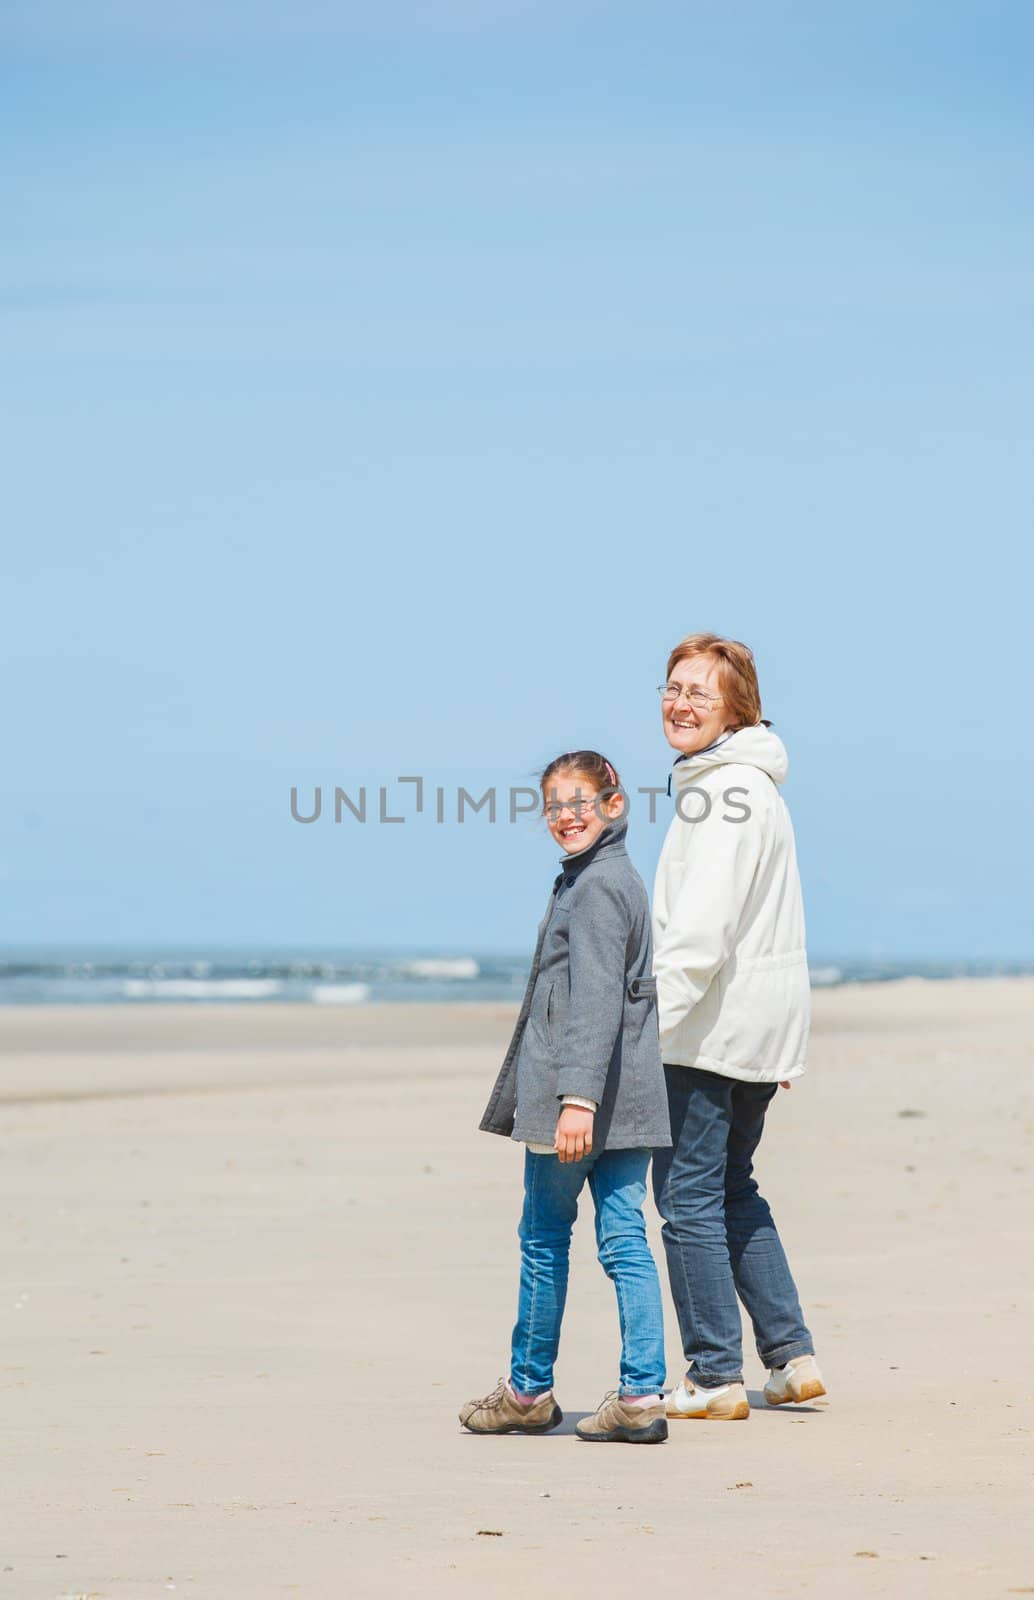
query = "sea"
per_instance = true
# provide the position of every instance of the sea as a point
(260, 977)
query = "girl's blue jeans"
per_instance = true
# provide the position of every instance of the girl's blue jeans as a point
(617, 1183)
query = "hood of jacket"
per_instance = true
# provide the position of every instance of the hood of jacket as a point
(749, 747)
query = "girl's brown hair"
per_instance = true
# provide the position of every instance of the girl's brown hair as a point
(737, 674)
(586, 764)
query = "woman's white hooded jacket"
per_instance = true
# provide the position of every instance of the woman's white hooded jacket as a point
(732, 973)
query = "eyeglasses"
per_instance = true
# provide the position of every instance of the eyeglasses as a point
(698, 698)
(577, 808)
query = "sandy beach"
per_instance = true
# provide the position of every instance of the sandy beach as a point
(255, 1258)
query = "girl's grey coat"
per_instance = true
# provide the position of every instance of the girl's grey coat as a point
(588, 1022)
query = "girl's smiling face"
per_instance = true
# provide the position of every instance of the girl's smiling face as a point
(576, 812)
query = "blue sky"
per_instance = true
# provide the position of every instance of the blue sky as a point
(387, 388)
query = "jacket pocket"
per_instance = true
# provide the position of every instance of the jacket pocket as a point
(551, 1016)
(642, 988)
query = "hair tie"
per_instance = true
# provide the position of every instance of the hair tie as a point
(611, 773)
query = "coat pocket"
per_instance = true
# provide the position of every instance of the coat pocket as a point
(642, 988)
(551, 1017)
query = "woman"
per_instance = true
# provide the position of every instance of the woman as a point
(733, 1007)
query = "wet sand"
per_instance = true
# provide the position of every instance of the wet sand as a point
(255, 1257)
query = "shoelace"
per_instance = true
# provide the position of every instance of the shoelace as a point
(497, 1394)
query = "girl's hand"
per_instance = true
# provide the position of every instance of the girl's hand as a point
(573, 1138)
(784, 1083)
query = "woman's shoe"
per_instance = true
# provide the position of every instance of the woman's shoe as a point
(798, 1381)
(727, 1402)
(616, 1422)
(502, 1412)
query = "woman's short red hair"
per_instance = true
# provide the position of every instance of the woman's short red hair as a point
(737, 674)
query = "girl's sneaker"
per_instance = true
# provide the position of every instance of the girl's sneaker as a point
(502, 1412)
(616, 1421)
(727, 1402)
(798, 1381)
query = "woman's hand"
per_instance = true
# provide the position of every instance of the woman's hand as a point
(573, 1138)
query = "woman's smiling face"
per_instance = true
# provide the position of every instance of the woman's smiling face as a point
(692, 710)
(576, 812)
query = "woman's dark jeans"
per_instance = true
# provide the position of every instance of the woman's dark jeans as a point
(718, 1232)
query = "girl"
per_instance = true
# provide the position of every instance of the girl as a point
(582, 1086)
